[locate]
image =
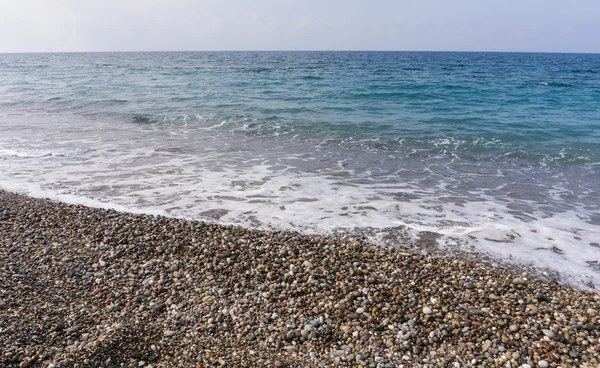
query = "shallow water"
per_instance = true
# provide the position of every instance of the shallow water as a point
(499, 153)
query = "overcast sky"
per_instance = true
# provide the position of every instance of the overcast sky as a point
(161, 25)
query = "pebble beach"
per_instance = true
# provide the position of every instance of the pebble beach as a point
(87, 287)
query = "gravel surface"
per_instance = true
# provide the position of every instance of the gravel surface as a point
(91, 287)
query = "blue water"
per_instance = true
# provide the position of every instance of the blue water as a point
(498, 152)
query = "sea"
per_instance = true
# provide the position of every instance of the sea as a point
(498, 153)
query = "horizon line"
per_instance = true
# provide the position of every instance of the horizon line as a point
(293, 50)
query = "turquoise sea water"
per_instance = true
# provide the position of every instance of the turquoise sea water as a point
(499, 152)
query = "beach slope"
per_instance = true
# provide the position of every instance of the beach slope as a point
(94, 287)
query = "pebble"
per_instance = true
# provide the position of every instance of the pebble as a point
(427, 310)
(486, 345)
(336, 353)
(549, 333)
(519, 281)
(513, 328)
(169, 333)
(543, 364)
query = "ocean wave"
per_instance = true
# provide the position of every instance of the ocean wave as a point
(556, 84)
(470, 145)
(385, 137)
(38, 153)
(311, 77)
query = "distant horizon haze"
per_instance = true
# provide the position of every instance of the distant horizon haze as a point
(290, 50)
(301, 25)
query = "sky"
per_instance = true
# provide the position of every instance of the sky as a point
(196, 25)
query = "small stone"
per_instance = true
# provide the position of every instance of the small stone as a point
(336, 353)
(549, 333)
(427, 310)
(513, 328)
(169, 333)
(519, 281)
(516, 355)
(278, 364)
(592, 312)
(486, 345)
(543, 364)
(542, 297)
(18, 276)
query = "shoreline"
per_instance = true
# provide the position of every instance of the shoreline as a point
(404, 237)
(90, 287)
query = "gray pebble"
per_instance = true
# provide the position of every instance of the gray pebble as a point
(549, 333)
(519, 281)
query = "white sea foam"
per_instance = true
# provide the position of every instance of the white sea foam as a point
(219, 176)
